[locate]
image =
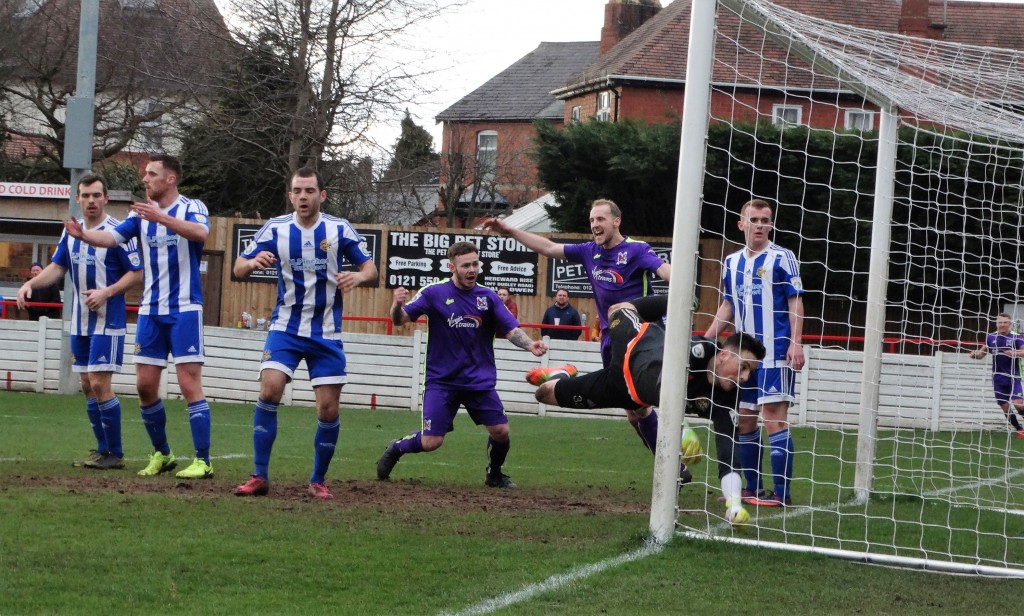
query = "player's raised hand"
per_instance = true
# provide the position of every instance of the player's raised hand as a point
(401, 295)
(496, 224)
(147, 211)
(538, 347)
(74, 228)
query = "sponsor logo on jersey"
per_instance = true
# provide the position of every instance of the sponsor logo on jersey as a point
(308, 244)
(621, 259)
(193, 349)
(449, 302)
(606, 276)
(307, 265)
(464, 321)
(156, 241)
(481, 303)
(102, 359)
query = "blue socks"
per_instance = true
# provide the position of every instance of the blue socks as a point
(110, 421)
(496, 453)
(410, 444)
(324, 442)
(93, 411)
(750, 459)
(264, 431)
(199, 419)
(154, 418)
(781, 454)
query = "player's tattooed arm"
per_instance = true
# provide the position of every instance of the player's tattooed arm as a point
(519, 338)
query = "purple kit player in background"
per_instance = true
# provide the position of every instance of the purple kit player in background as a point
(1007, 348)
(171, 230)
(309, 248)
(761, 290)
(463, 319)
(618, 269)
(99, 279)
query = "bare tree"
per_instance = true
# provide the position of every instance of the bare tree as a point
(477, 182)
(344, 68)
(148, 60)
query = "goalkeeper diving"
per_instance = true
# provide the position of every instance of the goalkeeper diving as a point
(632, 381)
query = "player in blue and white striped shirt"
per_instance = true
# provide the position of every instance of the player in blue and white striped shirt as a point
(99, 278)
(761, 291)
(309, 248)
(171, 230)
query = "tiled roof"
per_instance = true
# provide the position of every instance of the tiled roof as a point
(523, 90)
(657, 50)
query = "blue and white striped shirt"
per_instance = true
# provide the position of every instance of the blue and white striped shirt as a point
(96, 268)
(309, 302)
(172, 281)
(759, 288)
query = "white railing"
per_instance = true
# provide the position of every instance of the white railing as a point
(938, 392)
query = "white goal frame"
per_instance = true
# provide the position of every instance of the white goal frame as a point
(688, 205)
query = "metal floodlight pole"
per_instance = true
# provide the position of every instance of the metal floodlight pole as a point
(78, 134)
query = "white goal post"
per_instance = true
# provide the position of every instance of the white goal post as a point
(896, 165)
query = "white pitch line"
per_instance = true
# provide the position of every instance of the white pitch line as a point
(556, 581)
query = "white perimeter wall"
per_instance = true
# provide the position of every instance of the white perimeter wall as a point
(941, 392)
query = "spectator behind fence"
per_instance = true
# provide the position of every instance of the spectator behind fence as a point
(49, 294)
(561, 313)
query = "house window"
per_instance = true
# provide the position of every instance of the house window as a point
(787, 115)
(604, 107)
(858, 119)
(487, 153)
(151, 132)
(576, 115)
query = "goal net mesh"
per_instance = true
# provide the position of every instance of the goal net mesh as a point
(796, 105)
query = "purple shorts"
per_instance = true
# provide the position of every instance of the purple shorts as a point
(440, 406)
(1006, 388)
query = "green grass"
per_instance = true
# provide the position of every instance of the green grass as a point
(436, 540)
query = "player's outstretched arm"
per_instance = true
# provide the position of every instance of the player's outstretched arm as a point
(519, 338)
(51, 274)
(532, 241)
(95, 237)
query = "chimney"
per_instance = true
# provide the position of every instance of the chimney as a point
(621, 17)
(914, 20)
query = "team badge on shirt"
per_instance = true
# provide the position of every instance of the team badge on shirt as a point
(266, 355)
(325, 245)
(138, 349)
(760, 272)
(621, 259)
(426, 425)
(481, 303)
(133, 258)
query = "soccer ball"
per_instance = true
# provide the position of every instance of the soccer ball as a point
(737, 515)
(693, 451)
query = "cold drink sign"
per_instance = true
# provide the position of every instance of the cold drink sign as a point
(418, 258)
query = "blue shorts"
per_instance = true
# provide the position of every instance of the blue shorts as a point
(325, 359)
(440, 406)
(97, 353)
(179, 334)
(1006, 388)
(773, 385)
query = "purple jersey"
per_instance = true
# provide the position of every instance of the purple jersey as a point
(618, 274)
(461, 329)
(1004, 365)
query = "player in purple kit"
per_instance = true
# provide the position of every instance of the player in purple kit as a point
(171, 230)
(463, 319)
(618, 269)
(99, 278)
(309, 248)
(1007, 348)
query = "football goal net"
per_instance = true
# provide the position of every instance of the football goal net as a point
(895, 167)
